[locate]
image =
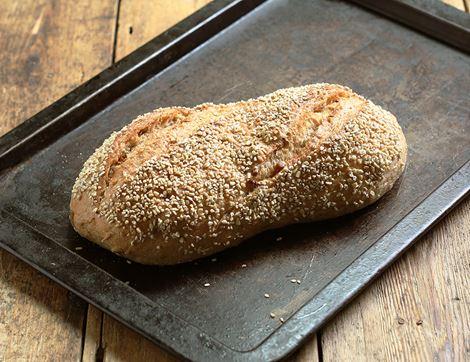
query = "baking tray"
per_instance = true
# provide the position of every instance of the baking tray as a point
(225, 52)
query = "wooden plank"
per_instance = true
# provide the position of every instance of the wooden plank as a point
(48, 48)
(141, 20)
(307, 353)
(459, 4)
(122, 344)
(37, 317)
(419, 310)
(92, 347)
(109, 340)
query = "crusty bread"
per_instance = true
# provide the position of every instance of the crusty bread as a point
(181, 183)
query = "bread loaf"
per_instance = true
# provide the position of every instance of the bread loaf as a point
(182, 183)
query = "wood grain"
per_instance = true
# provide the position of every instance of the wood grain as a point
(92, 347)
(37, 317)
(419, 309)
(48, 48)
(122, 344)
(141, 20)
(109, 340)
(307, 353)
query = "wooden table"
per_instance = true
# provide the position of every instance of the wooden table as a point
(418, 310)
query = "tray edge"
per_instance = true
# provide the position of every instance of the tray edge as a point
(443, 29)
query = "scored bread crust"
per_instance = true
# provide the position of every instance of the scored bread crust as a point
(181, 183)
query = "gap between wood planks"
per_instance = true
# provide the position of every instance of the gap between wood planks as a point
(96, 351)
(116, 29)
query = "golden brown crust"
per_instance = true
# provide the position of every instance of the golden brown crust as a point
(181, 183)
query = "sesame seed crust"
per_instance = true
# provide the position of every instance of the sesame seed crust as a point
(181, 183)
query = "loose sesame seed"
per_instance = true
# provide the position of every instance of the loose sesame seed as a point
(272, 315)
(266, 295)
(207, 284)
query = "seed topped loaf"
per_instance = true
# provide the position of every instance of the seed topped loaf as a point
(179, 183)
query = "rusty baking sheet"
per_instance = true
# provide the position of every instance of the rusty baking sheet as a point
(425, 83)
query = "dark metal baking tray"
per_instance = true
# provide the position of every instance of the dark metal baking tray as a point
(276, 44)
